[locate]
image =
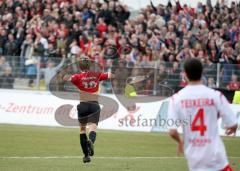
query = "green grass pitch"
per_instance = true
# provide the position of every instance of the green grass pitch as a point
(57, 149)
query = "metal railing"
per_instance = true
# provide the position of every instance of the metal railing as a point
(35, 74)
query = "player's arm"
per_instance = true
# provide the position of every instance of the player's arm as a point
(74, 79)
(111, 75)
(105, 76)
(173, 115)
(228, 116)
(231, 130)
(175, 135)
(67, 77)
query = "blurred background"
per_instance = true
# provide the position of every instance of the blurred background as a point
(38, 37)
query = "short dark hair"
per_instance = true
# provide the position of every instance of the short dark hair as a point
(193, 69)
(84, 64)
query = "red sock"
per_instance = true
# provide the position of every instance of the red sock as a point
(227, 168)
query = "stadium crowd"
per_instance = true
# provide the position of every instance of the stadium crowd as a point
(102, 31)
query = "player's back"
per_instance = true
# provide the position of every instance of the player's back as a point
(201, 107)
(88, 84)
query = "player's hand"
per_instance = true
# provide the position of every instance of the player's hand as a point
(180, 148)
(231, 130)
(66, 78)
(110, 75)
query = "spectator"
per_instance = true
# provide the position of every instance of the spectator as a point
(43, 41)
(234, 84)
(210, 69)
(101, 27)
(162, 73)
(129, 62)
(227, 59)
(173, 77)
(26, 53)
(145, 63)
(3, 65)
(3, 40)
(52, 52)
(61, 41)
(31, 71)
(38, 50)
(75, 49)
(10, 48)
(160, 33)
(148, 89)
(196, 28)
(121, 73)
(214, 57)
(211, 83)
(7, 80)
(50, 71)
(106, 14)
(27, 47)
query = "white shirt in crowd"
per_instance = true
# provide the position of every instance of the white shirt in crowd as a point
(44, 42)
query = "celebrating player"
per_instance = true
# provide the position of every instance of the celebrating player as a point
(202, 106)
(88, 110)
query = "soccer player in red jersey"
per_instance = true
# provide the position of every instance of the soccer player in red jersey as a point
(202, 106)
(88, 110)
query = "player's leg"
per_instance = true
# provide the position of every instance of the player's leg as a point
(92, 137)
(84, 143)
(94, 119)
(82, 112)
(92, 132)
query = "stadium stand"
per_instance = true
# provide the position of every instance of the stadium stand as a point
(34, 34)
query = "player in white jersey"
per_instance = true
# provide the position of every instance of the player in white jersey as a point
(201, 107)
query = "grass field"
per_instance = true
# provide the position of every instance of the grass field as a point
(28, 148)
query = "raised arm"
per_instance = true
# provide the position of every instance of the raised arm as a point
(67, 77)
(111, 75)
(60, 64)
(153, 7)
(105, 76)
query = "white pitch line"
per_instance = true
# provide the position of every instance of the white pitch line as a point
(76, 157)
(97, 157)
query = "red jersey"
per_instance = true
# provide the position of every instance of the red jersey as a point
(88, 81)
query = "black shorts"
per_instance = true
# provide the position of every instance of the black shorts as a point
(88, 112)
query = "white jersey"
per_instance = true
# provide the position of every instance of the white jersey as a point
(198, 108)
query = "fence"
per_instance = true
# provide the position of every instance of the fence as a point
(37, 72)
